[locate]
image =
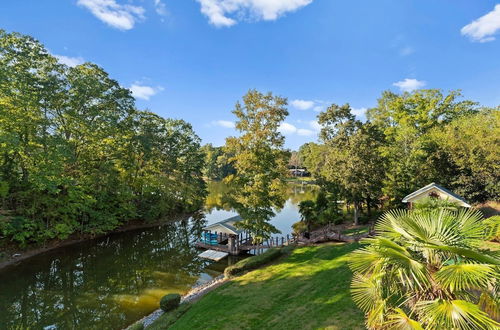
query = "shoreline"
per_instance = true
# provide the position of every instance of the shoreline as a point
(18, 255)
(194, 294)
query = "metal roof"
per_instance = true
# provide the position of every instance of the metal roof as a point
(228, 224)
(436, 186)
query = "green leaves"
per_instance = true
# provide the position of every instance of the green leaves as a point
(454, 314)
(422, 262)
(463, 277)
(259, 160)
(76, 153)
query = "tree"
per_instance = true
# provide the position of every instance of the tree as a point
(77, 156)
(217, 164)
(259, 160)
(405, 120)
(308, 213)
(425, 269)
(469, 145)
(353, 161)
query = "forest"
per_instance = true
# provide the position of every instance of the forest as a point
(77, 156)
(408, 141)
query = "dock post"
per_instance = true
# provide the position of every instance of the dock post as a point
(232, 245)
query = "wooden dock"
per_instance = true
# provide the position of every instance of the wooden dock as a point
(234, 241)
(236, 244)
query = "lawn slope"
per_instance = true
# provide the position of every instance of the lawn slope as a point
(307, 290)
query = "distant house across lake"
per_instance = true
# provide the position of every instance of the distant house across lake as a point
(434, 190)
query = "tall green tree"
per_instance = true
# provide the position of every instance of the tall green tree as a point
(352, 161)
(77, 156)
(469, 148)
(217, 164)
(260, 161)
(406, 119)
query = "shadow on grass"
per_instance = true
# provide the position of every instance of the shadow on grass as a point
(309, 290)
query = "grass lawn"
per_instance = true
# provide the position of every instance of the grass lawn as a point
(308, 289)
(356, 231)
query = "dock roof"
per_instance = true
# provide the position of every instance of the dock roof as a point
(226, 226)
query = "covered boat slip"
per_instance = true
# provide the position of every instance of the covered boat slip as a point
(224, 236)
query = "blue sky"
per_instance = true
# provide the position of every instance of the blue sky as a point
(193, 59)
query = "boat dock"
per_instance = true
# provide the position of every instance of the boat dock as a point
(225, 237)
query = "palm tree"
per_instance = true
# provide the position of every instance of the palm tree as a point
(307, 211)
(425, 269)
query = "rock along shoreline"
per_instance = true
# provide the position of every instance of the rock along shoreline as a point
(194, 294)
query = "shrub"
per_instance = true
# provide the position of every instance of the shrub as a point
(170, 302)
(253, 262)
(299, 227)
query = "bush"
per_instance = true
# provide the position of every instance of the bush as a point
(170, 302)
(253, 262)
(299, 227)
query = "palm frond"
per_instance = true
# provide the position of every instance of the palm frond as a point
(467, 254)
(364, 260)
(397, 319)
(454, 314)
(466, 276)
(365, 292)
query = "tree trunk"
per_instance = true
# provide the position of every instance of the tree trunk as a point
(356, 213)
(368, 206)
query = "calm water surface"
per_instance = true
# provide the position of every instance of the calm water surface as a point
(111, 282)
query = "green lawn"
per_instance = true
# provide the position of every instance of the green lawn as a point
(307, 290)
(356, 231)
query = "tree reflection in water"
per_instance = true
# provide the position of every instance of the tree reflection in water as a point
(103, 284)
(109, 283)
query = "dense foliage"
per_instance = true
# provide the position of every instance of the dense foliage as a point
(408, 141)
(77, 156)
(259, 160)
(217, 163)
(425, 269)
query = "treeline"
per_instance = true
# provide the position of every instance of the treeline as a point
(76, 155)
(218, 163)
(408, 141)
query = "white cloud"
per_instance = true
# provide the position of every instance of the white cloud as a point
(224, 123)
(69, 61)
(359, 112)
(160, 8)
(144, 92)
(483, 28)
(319, 108)
(305, 132)
(122, 17)
(409, 85)
(287, 129)
(218, 11)
(302, 104)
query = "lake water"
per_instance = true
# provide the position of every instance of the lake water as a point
(111, 282)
